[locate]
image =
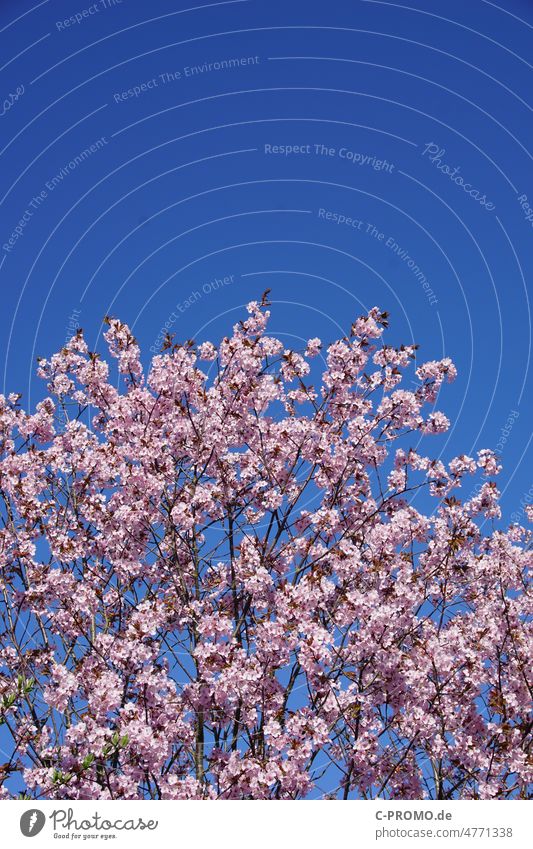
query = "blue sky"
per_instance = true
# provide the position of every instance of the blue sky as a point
(167, 162)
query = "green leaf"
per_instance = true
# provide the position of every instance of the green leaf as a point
(59, 777)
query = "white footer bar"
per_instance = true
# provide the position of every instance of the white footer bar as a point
(232, 825)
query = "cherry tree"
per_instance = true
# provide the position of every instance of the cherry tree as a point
(233, 578)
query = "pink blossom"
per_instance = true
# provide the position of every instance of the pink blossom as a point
(223, 584)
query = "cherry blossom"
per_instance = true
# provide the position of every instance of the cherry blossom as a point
(226, 575)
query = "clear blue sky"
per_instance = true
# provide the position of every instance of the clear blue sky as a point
(146, 155)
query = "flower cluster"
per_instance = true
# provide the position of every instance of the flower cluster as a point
(224, 577)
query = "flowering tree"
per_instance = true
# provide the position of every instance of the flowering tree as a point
(215, 583)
